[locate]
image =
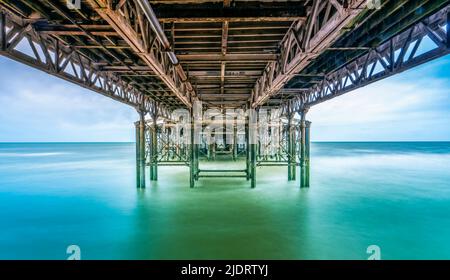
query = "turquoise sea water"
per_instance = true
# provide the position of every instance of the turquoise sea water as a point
(393, 195)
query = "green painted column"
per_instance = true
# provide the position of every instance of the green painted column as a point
(154, 150)
(291, 149)
(196, 160)
(448, 29)
(212, 148)
(294, 153)
(253, 153)
(307, 152)
(235, 142)
(142, 149)
(247, 151)
(192, 156)
(304, 153)
(2, 31)
(138, 155)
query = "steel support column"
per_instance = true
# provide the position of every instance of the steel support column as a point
(291, 147)
(247, 149)
(235, 142)
(294, 153)
(253, 140)
(140, 150)
(2, 31)
(253, 165)
(304, 150)
(154, 149)
(307, 152)
(138, 154)
(448, 29)
(196, 154)
(191, 146)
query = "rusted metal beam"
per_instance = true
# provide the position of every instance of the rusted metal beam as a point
(225, 96)
(2, 31)
(224, 42)
(213, 57)
(228, 74)
(153, 55)
(48, 54)
(380, 63)
(217, 12)
(305, 42)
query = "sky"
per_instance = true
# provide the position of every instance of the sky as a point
(412, 106)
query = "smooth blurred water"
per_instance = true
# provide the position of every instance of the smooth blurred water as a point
(394, 195)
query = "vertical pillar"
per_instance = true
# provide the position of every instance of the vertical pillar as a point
(253, 164)
(235, 142)
(197, 160)
(212, 145)
(140, 150)
(448, 29)
(192, 155)
(247, 149)
(2, 31)
(292, 133)
(307, 152)
(213, 148)
(304, 150)
(253, 141)
(168, 146)
(154, 149)
(280, 140)
(138, 154)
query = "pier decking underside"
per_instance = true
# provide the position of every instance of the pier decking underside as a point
(158, 56)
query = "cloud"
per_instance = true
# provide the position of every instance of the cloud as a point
(39, 107)
(411, 106)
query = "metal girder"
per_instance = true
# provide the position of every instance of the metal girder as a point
(305, 41)
(228, 74)
(20, 41)
(217, 12)
(129, 21)
(394, 56)
(214, 57)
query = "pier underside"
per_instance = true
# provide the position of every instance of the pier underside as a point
(255, 67)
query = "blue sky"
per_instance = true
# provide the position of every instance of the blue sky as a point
(412, 106)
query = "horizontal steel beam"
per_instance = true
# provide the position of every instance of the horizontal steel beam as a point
(217, 74)
(394, 56)
(48, 54)
(129, 21)
(304, 43)
(228, 96)
(228, 57)
(216, 12)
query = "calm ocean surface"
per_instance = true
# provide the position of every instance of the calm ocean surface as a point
(393, 195)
